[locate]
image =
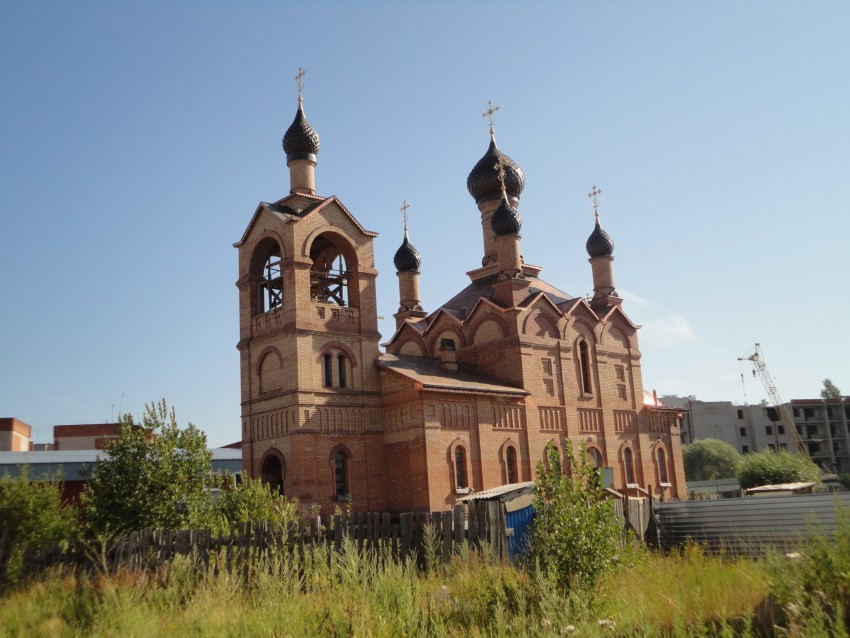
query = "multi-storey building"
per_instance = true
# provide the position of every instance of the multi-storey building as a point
(465, 397)
(820, 424)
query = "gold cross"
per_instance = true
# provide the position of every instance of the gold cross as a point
(490, 112)
(594, 198)
(299, 77)
(500, 169)
(404, 216)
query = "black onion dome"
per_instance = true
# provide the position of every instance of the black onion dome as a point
(483, 181)
(506, 219)
(599, 244)
(406, 257)
(300, 138)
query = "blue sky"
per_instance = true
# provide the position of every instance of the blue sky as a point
(139, 138)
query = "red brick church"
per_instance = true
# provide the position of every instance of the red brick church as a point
(466, 396)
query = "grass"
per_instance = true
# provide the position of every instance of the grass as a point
(354, 593)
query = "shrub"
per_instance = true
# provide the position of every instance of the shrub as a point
(709, 460)
(771, 468)
(33, 519)
(247, 499)
(154, 475)
(575, 532)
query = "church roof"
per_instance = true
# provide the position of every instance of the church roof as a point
(297, 206)
(462, 304)
(428, 373)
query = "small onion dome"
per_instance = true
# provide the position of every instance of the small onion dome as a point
(300, 139)
(506, 219)
(406, 257)
(483, 181)
(599, 244)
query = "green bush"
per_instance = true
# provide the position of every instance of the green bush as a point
(575, 532)
(247, 499)
(771, 468)
(155, 475)
(709, 460)
(33, 519)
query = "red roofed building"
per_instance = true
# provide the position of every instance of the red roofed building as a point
(466, 397)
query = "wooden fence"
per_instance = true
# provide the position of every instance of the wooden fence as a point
(478, 524)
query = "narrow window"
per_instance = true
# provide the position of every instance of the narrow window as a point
(460, 467)
(662, 466)
(743, 432)
(584, 364)
(740, 414)
(781, 429)
(768, 429)
(328, 369)
(341, 474)
(595, 457)
(630, 470)
(621, 373)
(745, 449)
(341, 370)
(510, 460)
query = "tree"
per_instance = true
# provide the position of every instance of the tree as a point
(575, 532)
(155, 474)
(33, 519)
(829, 391)
(709, 460)
(771, 468)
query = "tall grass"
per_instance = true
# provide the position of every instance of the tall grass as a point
(368, 594)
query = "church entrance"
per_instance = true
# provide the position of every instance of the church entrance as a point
(272, 473)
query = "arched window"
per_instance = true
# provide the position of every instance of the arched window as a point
(510, 464)
(335, 366)
(328, 370)
(341, 475)
(662, 465)
(629, 468)
(460, 468)
(329, 274)
(594, 457)
(584, 367)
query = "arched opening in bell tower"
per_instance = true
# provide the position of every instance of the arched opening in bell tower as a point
(333, 272)
(266, 277)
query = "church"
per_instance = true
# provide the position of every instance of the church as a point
(464, 397)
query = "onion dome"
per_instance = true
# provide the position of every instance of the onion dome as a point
(483, 181)
(407, 257)
(506, 219)
(300, 140)
(599, 244)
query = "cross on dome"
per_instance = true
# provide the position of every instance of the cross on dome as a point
(404, 216)
(594, 199)
(489, 113)
(299, 78)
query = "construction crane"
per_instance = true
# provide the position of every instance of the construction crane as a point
(760, 370)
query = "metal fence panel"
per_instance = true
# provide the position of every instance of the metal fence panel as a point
(750, 525)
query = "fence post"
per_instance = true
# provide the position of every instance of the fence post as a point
(406, 534)
(459, 524)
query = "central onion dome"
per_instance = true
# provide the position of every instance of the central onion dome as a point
(506, 219)
(483, 181)
(300, 140)
(599, 244)
(407, 257)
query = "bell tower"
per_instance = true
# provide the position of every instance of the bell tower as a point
(308, 339)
